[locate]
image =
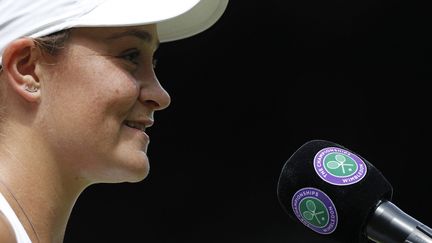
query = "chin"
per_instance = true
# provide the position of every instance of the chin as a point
(136, 172)
(125, 176)
(127, 170)
(137, 176)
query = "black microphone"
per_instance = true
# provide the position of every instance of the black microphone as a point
(339, 195)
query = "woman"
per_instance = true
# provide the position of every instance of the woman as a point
(77, 93)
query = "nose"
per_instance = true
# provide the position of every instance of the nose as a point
(154, 95)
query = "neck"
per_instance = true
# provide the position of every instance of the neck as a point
(39, 191)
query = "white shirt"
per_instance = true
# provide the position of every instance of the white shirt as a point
(20, 233)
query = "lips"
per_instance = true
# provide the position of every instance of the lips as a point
(139, 124)
(136, 125)
(137, 128)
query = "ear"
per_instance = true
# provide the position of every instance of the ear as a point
(19, 64)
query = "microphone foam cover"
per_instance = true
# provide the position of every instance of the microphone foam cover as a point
(331, 190)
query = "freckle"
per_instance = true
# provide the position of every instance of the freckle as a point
(117, 91)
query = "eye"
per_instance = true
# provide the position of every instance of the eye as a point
(131, 55)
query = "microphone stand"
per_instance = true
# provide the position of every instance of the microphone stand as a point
(389, 224)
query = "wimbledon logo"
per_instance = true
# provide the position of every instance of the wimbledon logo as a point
(339, 167)
(315, 210)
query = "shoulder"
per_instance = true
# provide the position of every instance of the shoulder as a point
(6, 233)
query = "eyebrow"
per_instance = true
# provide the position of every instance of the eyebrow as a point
(140, 34)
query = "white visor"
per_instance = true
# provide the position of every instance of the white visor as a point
(175, 19)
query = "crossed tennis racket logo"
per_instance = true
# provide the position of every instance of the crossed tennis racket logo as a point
(314, 215)
(341, 166)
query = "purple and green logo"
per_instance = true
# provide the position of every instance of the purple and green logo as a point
(339, 167)
(315, 210)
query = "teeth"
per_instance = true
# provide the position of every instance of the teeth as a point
(135, 125)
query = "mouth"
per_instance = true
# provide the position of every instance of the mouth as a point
(141, 125)
(135, 125)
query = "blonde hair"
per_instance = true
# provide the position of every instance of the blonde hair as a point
(52, 44)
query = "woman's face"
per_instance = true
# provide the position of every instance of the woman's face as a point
(97, 98)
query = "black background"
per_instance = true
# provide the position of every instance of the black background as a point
(269, 76)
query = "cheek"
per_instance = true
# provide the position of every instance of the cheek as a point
(121, 92)
(89, 102)
(107, 100)
(101, 85)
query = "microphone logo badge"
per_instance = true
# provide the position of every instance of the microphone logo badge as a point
(339, 167)
(315, 210)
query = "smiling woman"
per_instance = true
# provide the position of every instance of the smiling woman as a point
(109, 89)
(77, 92)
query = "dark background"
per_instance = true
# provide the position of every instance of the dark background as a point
(269, 76)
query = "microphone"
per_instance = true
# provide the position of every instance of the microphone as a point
(340, 196)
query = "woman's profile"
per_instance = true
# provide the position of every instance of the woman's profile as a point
(77, 92)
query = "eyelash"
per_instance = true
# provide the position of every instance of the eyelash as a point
(133, 56)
